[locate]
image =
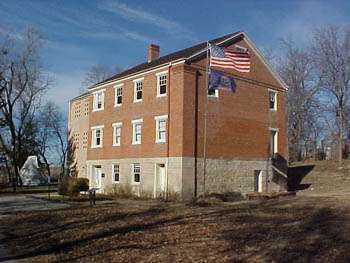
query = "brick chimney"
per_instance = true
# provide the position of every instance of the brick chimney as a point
(153, 52)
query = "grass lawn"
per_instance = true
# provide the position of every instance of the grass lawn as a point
(299, 229)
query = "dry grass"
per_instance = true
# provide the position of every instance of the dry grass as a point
(300, 229)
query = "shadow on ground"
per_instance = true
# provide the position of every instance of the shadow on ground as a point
(296, 175)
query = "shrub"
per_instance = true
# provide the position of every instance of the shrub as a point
(72, 186)
(63, 185)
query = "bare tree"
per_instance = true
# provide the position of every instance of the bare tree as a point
(52, 135)
(98, 73)
(331, 52)
(22, 84)
(296, 68)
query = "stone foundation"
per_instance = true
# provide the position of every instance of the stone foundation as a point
(221, 176)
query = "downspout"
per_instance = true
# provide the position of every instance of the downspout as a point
(168, 133)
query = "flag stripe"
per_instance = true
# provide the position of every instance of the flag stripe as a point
(228, 58)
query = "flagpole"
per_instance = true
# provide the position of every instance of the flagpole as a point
(205, 120)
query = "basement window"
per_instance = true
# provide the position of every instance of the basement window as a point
(136, 169)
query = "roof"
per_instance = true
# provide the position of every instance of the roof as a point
(80, 96)
(183, 53)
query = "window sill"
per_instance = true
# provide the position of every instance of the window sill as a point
(136, 183)
(136, 143)
(96, 146)
(116, 182)
(117, 105)
(273, 110)
(160, 141)
(115, 145)
(161, 95)
(95, 110)
(136, 101)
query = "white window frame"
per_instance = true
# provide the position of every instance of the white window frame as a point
(134, 123)
(215, 95)
(117, 125)
(159, 75)
(93, 136)
(116, 88)
(136, 81)
(113, 172)
(133, 173)
(275, 95)
(158, 119)
(275, 142)
(95, 102)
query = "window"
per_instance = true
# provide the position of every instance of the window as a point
(115, 173)
(272, 100)
(213, 93)
(136, 131)
(117, 132)
(161, 128)
(118, 95)
(97, 136)
(274, 141)
(98, 100)
(136, 170)
(161, 84)
(138, 90)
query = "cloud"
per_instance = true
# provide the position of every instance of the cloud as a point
(141, 16)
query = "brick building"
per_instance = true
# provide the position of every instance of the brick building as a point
(144, 127)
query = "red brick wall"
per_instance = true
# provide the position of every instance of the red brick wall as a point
(238, 123)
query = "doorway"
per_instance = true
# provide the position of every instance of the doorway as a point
(96, 176)
(258, 181)
(160, 181)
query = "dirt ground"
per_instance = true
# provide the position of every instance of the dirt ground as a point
(297, 229)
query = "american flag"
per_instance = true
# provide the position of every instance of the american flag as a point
(228, 58)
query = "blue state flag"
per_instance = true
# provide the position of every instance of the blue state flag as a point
(218, 80)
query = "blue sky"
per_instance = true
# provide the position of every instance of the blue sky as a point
(81, 33)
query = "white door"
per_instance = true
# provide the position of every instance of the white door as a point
(97, 177)
(160, 180)
(260, 182)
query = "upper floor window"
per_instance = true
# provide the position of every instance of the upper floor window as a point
(138, 90)
(98, 100)
(161, 84)
(213, 93)
(117, 133)
(97, 136)
(273, 100)
(115, 172)
(161, 128)
(136, 170)
(118, 95)
(274, 141)
(136, 131)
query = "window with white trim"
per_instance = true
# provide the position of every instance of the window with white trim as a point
(213, 93)
(117, 133)
(136, 173)
(272, 100)
(118, 95)
(136, 131)
(98, 100)
(274, 141)
(116, 173)
(97, 137)
(161, 126)
(137, 90)
(161, 84)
